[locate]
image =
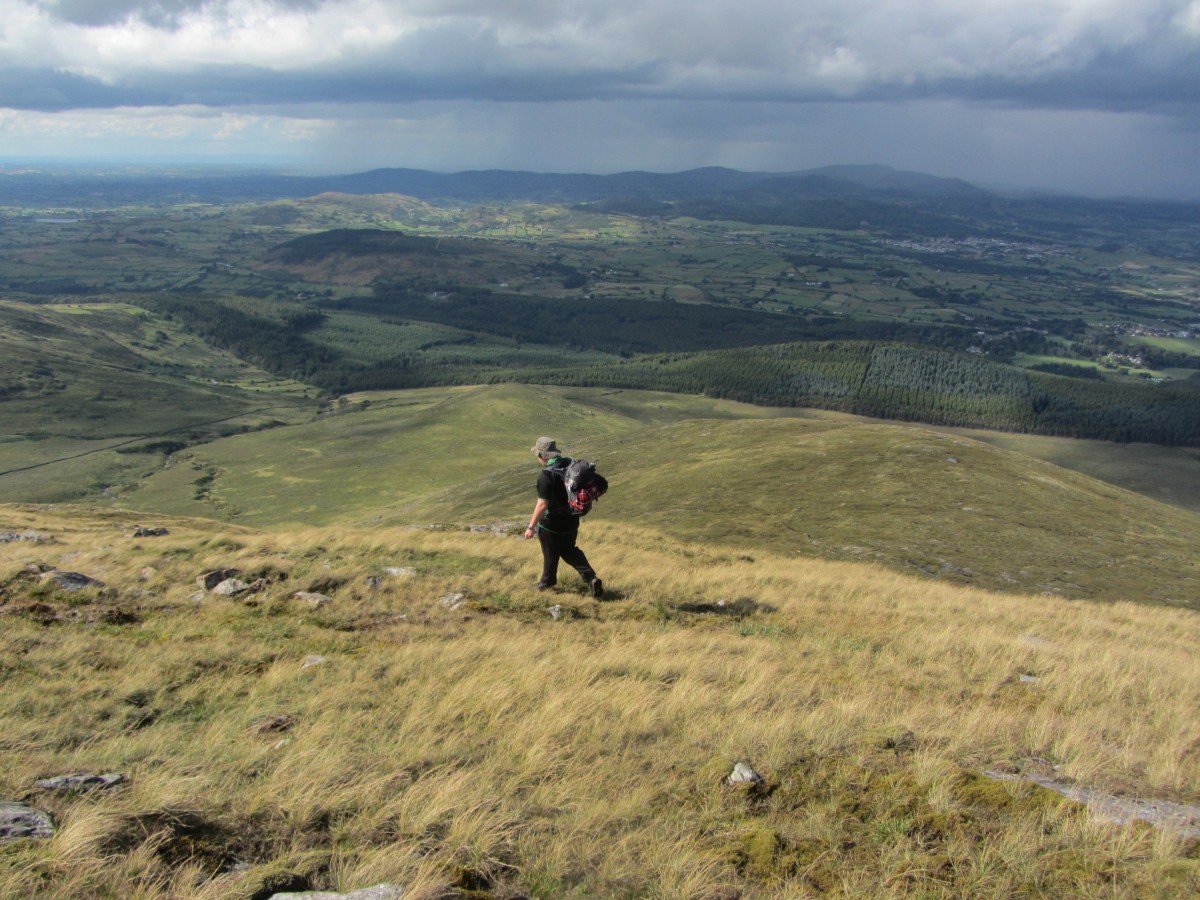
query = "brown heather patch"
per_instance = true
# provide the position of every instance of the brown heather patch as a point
(491, 751)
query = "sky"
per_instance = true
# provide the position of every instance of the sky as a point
(1099, 97)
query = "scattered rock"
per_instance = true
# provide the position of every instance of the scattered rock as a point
(71, 581)
(82, 782)
(1028, 679)
(147, 573)
(400, 571)
(743, 774)
(19, 821)
(313, 660)
(139, 531)
(210, 580)
(952, 459)
(556, 611)
(379, 892)
(34, 537)
(229, 587)
(453, 601)
(316, 601)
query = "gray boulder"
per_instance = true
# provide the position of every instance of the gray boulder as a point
(19, 821)
(379, 892)
(210, 580)
(139, 531)
(81, 782)
(229, 587)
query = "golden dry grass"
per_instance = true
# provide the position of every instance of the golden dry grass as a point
(493, 751)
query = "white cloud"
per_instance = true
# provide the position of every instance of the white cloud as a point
(771, 46)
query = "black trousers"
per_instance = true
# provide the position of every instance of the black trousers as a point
(562, 546)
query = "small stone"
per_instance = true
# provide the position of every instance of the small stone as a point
(139, 532)
(379, 892)
(199, 597)
(82, 782)
(1028, 679)
(400, 571)
(743, 774)
(280, 744)
(316, 601)
(373, 582)
(147, 573)
(313, 660)
(229, 587)
(19, 821)
(556, 611)
(953, 460)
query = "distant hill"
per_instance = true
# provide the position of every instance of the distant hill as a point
(839, 196)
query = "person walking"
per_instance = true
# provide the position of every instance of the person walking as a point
(556, 527)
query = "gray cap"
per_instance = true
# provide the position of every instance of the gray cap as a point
(546, 447)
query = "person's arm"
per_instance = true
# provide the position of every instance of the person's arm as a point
(539, 510)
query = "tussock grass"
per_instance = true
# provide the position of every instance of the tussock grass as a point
(491, 750)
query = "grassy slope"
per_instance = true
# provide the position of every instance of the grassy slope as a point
(825, 486)
(79, 379)
(495, 750)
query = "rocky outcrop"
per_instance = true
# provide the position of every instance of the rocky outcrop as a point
(71, 581)
(19, 821)
(33, 537)
(229, 587)
(141, 532)
(210, 580)
(82, 782)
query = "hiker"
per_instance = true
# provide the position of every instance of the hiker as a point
(555, 525)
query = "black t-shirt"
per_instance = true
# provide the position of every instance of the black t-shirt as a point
(550, 487)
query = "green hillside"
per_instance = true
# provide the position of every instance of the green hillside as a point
(80, 382)
(701, 470)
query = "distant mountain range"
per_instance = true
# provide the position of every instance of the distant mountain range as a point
(847, 197)
(482, 186)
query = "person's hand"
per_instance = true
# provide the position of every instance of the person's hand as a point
(528, 533)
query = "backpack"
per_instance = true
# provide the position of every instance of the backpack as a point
(584, 485)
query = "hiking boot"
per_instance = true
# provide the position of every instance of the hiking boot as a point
(597, 587)
(541, 586)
